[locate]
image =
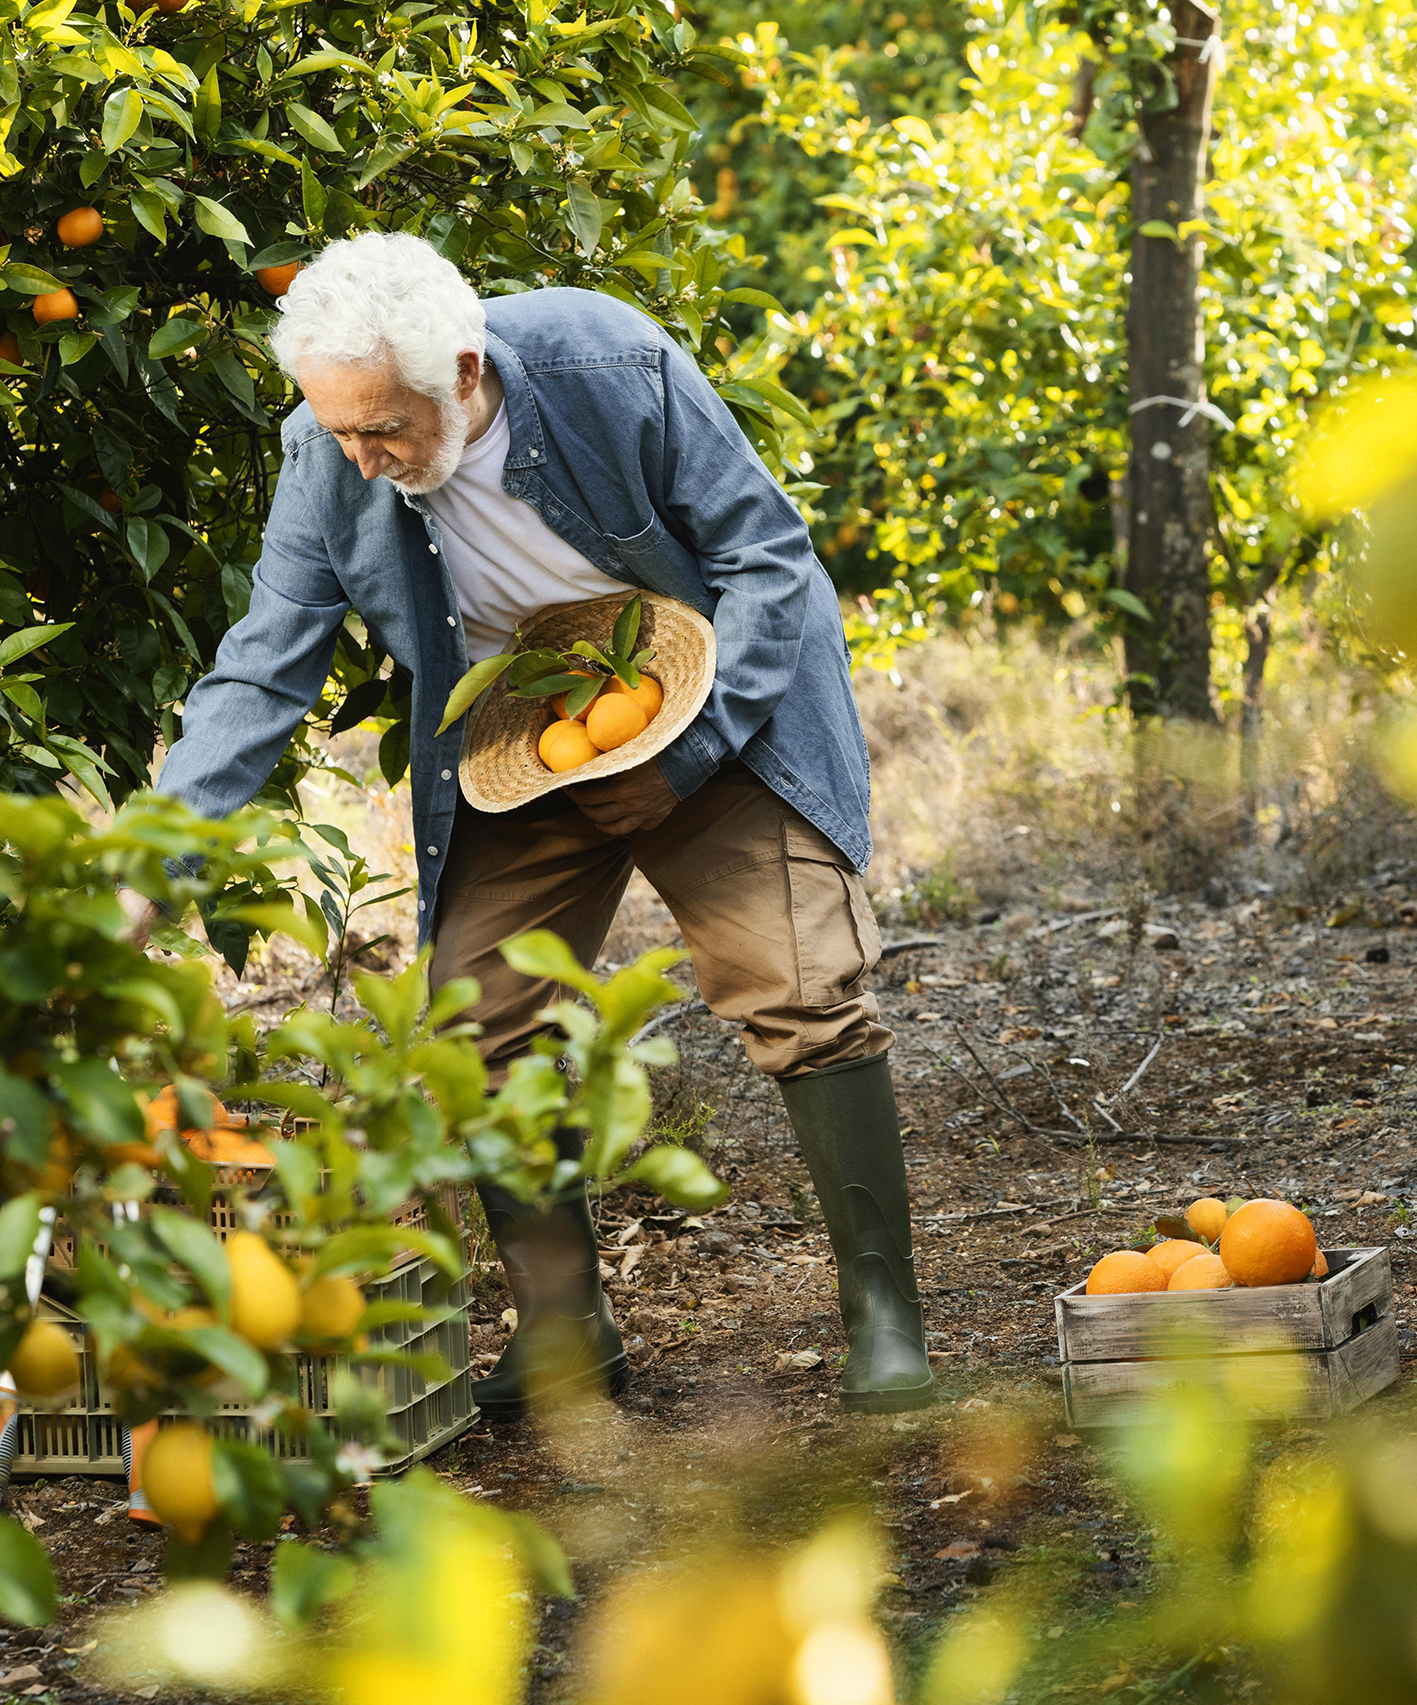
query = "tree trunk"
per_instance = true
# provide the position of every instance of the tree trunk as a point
(1168, 659)
(1259, 624)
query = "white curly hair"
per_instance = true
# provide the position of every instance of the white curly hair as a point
(382, 298)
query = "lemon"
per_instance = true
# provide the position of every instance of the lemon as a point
(44, 1362)
(265, 1298)
(177, 1478)
(331, 1308)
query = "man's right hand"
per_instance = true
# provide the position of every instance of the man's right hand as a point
(141, 913)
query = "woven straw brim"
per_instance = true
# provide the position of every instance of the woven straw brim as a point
(500, 769)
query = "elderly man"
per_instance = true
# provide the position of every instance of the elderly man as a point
(453, 469)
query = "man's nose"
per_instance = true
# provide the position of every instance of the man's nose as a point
(371, 459)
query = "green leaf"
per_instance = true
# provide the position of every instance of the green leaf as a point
(541, 1555)
(627, 628)
(122, 114)
(271, 916)
(217, 222)
(304, 1580)
(176, 335)
(27, 1591)
(195, 1245)
(20, 644)
(680, 1177)
(232, 372)
(585, 216)
(583, 694)
(148, 543)
(232, 1355)
(19, 1218)
(559, 115)
(1158, 228)
(1127, 601)
(313, 199)
(393, 751)
(540, 953)
(472, 686)
(99, 1100)
(30, 280)
(755, 298)
(313, 129)
(250, 1488)
(661, 99)
(1173, 1226)
(206, 108)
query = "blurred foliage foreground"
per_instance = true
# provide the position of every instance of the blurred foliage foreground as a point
(392, 1106)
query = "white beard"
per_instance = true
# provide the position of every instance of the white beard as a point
(451, 444)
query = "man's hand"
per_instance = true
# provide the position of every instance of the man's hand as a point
(141, 913)
(624, 804)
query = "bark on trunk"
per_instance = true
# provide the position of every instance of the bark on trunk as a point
(1259, 625)
(1169, 472)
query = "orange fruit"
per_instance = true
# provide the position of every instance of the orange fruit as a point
(1174, 1253)
(1125, 1270)
(613, 720)
(649, 695)
(1268, 1243)
(558, 704)
(274, 280)
(55, 305)
(1207, 1217)
(565, 745)
(10, 349)
(225, 1145)
(1205, 1273)
(1319, 1270)
(171, 5)
(160, 1114)
(80, 227)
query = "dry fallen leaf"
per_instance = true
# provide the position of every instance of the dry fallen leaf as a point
(633, 1256)
(798, 1361)
(951, 1498)
(630, 1233)
(1066, 1440)
(961, 1549)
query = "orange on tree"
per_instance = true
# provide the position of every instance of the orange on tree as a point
(331, 1308)
(1207, 1217)
(1268, 1243)
(80, 227)
(274, 280)
(613, 720)
(1205, 1273)
(44, 1363)
(55, 305)
(10, 349)
(565, 745)
(1173, 1253)
(649, 695)
(1125, 1270)
(265, 1297)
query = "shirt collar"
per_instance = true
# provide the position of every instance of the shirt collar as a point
(528, 447)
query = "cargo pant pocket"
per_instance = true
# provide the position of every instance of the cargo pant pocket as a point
(834, 929)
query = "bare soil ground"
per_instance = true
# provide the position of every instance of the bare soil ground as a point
(1284, 1067)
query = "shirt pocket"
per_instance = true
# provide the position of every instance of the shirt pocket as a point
(834, 930)
(651, 538)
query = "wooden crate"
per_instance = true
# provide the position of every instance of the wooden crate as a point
(1304, 1351)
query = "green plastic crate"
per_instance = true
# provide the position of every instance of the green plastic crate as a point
(87, 1438)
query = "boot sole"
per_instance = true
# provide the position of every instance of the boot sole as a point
(612, 1377)
(890, 1402)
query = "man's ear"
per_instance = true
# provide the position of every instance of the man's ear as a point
(469, 374)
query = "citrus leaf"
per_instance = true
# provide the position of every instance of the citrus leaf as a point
(313, 129)
(1172, 1225)
(472, 686)
(217, 222)
(27, 1591)
(122, 114)
(585, 216)
(627, 627)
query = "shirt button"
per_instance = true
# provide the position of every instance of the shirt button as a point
(452, 621)
(432, 852)
(447, 775)
(433, 550)
(423, 905)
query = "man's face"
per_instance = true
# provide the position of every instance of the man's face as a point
(386, 428)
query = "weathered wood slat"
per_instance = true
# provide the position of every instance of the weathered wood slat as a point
(1170, 1323)
(1305, 1385)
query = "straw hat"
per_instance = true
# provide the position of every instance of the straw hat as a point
(500, 769)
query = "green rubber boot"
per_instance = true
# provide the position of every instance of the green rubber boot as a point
(845, 1120)
(566, 1341)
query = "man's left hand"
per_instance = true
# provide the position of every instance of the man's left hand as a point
(625, 804)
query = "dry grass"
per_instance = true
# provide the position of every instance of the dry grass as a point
(1003, 774)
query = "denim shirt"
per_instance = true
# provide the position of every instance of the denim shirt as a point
(624, 450)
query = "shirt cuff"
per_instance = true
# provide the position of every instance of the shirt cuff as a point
(688, 762)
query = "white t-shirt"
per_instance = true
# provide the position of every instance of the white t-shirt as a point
(504, 560)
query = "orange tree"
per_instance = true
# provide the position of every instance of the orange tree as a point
(161, 173)
(176, 1322)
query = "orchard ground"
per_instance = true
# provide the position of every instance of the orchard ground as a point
(1279, 987)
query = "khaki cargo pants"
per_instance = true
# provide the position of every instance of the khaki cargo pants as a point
(775, 918)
